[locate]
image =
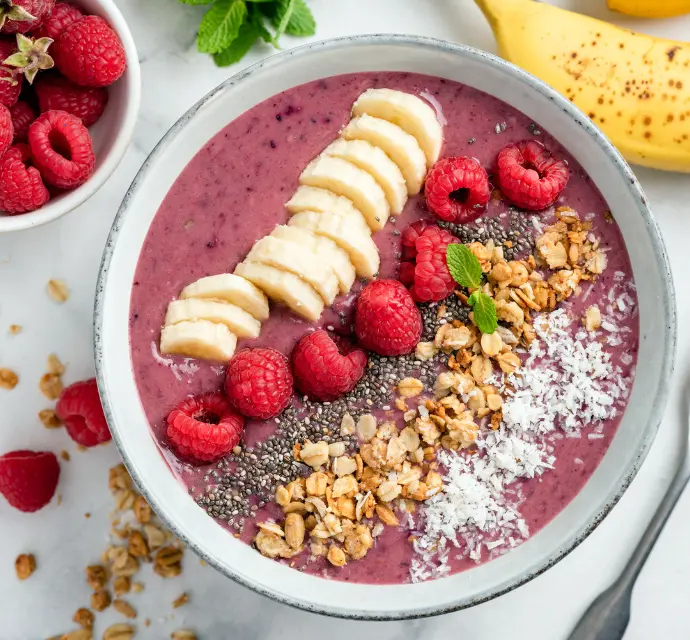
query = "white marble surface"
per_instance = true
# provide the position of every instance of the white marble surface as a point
(175, 76)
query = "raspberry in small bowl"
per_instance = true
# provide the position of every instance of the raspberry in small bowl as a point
(92, 98)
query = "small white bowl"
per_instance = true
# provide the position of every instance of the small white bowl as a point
(111, 134)
(610, 173)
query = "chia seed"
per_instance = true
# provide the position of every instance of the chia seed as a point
(246, 479)
(514, 227)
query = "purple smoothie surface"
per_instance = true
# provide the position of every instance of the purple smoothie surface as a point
(233, 192)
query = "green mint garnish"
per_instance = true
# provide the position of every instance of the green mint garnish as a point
(301, 21)
(230, 27)
(220, 25)
(463, 266)
(484, 311)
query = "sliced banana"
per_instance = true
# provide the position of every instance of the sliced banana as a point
(199, 339)
(241, 323)
(284, 287)
(324, 201)
(409, 112)
(400, 146)
(327, 251)
(232, 289)
(291, 257)
(345, 179)
(359, 246)
(375, 162)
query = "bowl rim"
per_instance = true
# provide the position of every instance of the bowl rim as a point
(660, 255)
(132, 79)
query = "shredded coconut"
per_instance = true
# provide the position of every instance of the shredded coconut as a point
(186, 368)
(568, 380)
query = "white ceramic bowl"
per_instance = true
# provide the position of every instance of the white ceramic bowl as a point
(111, 134)
(657, 319)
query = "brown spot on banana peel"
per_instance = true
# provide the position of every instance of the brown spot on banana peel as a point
(602, 70)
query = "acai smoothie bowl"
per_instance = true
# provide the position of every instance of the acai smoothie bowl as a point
(383, 327)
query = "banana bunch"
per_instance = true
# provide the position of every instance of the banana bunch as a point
(635, 87)
(650, 8)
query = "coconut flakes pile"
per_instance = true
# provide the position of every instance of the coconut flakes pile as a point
(567, 380)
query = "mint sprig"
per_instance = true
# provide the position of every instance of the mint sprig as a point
(464, 266)
(467, 272)
(484, 311)
(229, 28)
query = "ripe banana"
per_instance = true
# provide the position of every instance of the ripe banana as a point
(409, 112)
(199, 339)
(242, 324)
(345, 179)
(288, 256)
(650, 8)
(324, 201)
(230, 288)
(374, 161)
(327, 251)
(635, 87)
(284, 287)
(400, 146)
(359, 246)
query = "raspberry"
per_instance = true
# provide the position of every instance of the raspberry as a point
(89, 53)
(62, 16)
(58, 93)
(432, 279)
(259, 383)
(457, 189)
(9, 89)
(409, 237)
(22, 117)
(204, 428)
(406, 275)
(322, 370)
(20, 16)
(387, 321)
(529, 176)
(21, 186)
(28, 478)
(6, 129)
(61, 149)
(79, 407)
(427, 275)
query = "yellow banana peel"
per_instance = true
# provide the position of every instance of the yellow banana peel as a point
(650, 8)
(635, 87)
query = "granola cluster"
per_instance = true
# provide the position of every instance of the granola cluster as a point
(340, 508)
(139, 539)
(348, 499)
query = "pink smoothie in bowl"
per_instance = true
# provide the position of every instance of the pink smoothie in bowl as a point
(528, 434)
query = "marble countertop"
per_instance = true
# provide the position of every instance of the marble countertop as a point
(64, 541)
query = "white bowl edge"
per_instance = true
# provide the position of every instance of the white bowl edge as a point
(598, 157)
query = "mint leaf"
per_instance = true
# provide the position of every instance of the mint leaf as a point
(301, 21)
(463, 266)
(195, 2)
(284, 10)
(257, 19)
(240, 45)
(484, 311)
(220, 25)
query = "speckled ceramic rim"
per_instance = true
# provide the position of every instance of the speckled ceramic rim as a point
(129, 86)
(656, 396)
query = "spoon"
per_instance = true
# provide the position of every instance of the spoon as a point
(608, 616)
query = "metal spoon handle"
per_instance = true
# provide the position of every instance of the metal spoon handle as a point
(651, 534)
(607, 617)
